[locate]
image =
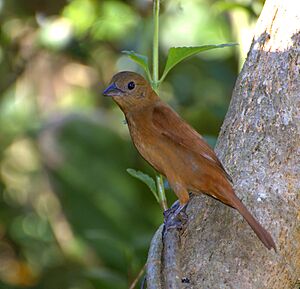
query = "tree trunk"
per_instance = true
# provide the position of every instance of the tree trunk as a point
(259, 144)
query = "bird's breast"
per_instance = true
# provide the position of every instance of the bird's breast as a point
(147, 142)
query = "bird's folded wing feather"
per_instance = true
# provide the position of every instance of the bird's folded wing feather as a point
(167, 121)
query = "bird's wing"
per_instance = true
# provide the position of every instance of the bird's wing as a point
(170, 125)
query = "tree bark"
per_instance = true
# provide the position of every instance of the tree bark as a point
(259, 144)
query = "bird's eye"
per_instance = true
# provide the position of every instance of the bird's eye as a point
(131, 85)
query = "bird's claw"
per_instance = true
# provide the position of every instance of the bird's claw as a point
(175, 218)
(167, 213)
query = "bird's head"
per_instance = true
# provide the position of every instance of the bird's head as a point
(130, 91)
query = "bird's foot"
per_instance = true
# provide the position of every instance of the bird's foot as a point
(171, 211)
(175, 217)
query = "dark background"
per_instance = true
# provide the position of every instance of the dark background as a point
(71, 217)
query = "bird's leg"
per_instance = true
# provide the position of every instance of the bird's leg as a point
(175, 217)
(171, 216)
(171, 210)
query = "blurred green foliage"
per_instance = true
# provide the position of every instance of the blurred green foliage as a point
(70, 215)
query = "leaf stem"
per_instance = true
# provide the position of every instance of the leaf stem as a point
(161, 192)
(155, 58)
(155, 85)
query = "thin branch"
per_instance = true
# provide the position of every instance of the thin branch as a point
(138, 277)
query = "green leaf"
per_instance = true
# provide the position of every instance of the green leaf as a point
(177, 54)
(145, 179)
(141, 60)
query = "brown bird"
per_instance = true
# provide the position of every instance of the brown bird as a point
(174, 148)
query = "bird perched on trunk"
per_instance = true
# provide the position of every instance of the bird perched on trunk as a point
(174, 148)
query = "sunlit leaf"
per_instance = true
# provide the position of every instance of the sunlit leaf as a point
(141, 60)
(178, 54)
(145, 179)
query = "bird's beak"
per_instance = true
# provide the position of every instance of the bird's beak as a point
(112, 90)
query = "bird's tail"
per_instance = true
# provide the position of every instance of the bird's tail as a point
(261, 233)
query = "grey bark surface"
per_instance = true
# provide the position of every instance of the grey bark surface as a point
(259, 144)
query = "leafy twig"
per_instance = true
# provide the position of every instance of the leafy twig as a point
(155, 58)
